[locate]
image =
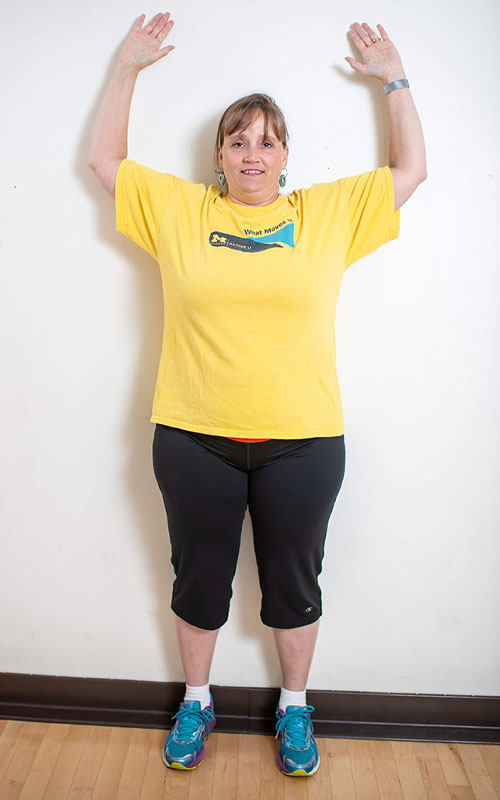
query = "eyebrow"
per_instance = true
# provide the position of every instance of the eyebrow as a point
(241, 135)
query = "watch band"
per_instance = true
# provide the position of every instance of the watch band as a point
(402, 83)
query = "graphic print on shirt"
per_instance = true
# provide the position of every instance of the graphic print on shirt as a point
(256, 241)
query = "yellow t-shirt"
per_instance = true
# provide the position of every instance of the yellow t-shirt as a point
(250, 294)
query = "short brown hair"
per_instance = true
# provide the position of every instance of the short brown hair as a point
(242, 112)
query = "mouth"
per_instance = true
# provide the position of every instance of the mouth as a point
(252, 171)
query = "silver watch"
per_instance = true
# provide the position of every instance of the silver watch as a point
(402, 83)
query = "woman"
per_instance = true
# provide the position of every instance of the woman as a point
(247, 405)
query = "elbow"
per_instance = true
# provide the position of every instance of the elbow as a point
(423, 168)
(418, 173)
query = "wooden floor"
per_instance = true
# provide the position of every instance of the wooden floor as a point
(85, 762)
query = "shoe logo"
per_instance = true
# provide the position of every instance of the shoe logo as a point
(309, 608)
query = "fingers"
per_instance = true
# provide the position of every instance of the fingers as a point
(359, 36)
(138, 23)
(371, 34)
(356, 39)
(383, 33)
(164, 51)
(152, 22)
(155, 23)
(162, 20)
(355, 64)
(162, 34)
(363, 36)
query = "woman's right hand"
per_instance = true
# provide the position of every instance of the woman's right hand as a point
(143, 47)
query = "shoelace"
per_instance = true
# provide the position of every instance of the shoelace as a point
(189, 721)
(296, 723)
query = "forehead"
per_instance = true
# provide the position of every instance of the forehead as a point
(256, 124)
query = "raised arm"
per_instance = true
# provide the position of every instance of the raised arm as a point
(108, 143)
(380, 59)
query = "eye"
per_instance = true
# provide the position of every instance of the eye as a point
(236, 144)
(268, 144)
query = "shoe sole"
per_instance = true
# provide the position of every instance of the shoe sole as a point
(176, 765)
(297, 773)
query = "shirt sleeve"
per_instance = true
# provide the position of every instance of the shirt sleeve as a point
(369, 201)
(141, 199)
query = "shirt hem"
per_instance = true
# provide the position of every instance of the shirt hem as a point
(246, 434)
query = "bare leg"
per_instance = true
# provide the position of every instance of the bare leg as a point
(295, 650)
(197, 647)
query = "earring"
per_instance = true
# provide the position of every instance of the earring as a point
(283, 175)
(222, 177)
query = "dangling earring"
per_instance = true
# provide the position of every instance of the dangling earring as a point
(283, 177)
(222, 177)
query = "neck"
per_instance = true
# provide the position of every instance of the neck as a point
(244, 200)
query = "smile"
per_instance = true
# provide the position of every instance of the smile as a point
(252, 171)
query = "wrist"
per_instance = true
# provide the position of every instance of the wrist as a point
(125, 68)
(393, 75)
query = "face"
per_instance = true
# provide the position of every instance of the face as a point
(252, 163)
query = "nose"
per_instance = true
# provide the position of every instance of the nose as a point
(251, 154)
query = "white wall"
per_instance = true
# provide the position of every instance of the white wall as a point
(410, 579)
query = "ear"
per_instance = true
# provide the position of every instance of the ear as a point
(219, 157)
(285, 157)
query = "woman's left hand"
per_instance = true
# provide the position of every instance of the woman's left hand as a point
(380, 59)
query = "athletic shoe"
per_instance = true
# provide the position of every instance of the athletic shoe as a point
(184, 747)
(298, 754)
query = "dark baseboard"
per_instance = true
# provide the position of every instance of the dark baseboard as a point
(351, 715)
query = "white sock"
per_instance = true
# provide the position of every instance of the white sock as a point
(288, 698)
(201, 693)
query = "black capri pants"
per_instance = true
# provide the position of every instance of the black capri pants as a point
(290, 487)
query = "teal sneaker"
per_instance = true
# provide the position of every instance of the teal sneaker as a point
(298, 754)
(184, 747)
